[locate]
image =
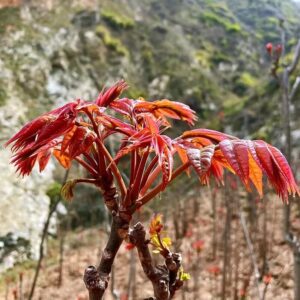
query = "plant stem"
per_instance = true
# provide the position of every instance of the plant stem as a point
(114, 169)
(146, 198)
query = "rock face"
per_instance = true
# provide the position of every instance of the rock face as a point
(34, 77)
(23, 207)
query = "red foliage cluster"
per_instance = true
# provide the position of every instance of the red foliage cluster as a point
(78, 131)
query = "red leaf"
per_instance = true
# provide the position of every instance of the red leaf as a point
(201, 160)
(81, 141)
(63, 159)
(123, 106)
(285, 169)
(28, 133)
(67, 138)
(236, 153)
(43, 159)
(212, 135)
(166, 108)
(111, 94)
(56, 128)
(255, 174)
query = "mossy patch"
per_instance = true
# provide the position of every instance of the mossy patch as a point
(219, 57)
(233, 105)
(116, 20)
(110, 41)
(220, 19)
(54, 190)
(3, 96)
(233, 28)
(245, 82)
(203, 58)
(9, 16)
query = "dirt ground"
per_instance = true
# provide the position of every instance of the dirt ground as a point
(82, 249)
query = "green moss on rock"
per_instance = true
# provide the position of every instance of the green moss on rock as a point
(116, 20)
(9, 16)
(110, 41)
(3, 96)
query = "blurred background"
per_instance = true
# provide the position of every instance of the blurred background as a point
(209, 54)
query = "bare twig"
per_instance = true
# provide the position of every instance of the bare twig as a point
(294, 88)
(251, 253)
(43, 238)
(291, 68)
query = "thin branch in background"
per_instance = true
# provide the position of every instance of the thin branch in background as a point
(251, 254)
(215, 223)
(131, 286)
(291, 68)
(295, 88)
(112, 284)
(61, 256)
(227, 233)
(21, 277)
(237, 250)
(287, 97)
(52, 209)
(7, 289)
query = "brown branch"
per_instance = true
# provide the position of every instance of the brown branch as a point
(163, 277)
(96, 279)
(109, 192)
(94, 284)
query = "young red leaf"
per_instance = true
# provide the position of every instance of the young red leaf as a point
(81, 141)
(201, 160)
(24, 161)
(255, 175)
(166, 108)
(43, 159)
(212, 135)
(28, 133)
(156, 225)
(123, 106)
(67, 138)
(236, 153)
(62, 158)
(285, 169)
(111, 94)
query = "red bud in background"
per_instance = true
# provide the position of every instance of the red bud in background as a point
(214, 270)
(267, 279)
(269, 48)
